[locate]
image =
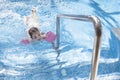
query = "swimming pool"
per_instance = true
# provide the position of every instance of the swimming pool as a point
(38, 60)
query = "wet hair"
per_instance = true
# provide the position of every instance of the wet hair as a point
(32, 30)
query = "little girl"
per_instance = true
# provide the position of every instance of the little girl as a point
(33, 31)
(32, 24)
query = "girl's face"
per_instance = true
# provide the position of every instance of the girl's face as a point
(36, 36)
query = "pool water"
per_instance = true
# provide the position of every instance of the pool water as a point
(38, 60)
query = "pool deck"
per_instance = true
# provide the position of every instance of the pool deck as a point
(116, 31)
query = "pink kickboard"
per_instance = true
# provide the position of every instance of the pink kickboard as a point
(50, 36)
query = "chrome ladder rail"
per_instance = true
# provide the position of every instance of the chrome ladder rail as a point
(97, 39)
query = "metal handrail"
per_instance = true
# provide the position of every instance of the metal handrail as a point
(97, 39)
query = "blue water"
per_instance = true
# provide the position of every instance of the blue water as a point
(38, 60)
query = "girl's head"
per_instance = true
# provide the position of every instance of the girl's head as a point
(34, 34)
